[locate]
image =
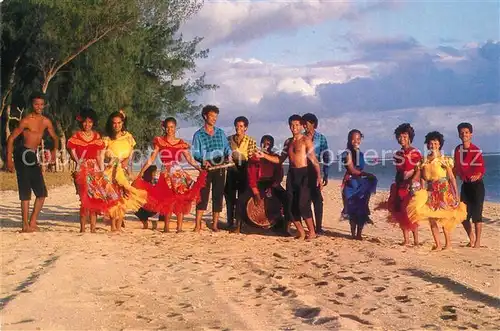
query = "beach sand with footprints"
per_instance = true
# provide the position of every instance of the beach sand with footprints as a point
(143, 279)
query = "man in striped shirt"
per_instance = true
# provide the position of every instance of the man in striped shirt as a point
(243, 148)
(323, 156)
(210, 148)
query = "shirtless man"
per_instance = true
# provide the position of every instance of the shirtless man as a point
(28, 170)
(298, 150)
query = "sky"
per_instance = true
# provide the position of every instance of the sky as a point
(369, 65)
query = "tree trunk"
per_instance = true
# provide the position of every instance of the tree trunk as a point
(62, 163)
(7, 134)
(7, 124)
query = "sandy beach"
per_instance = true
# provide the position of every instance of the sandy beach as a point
(58, 279)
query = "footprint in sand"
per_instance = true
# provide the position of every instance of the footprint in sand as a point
(368, 311)
(260, 289)
(320, 266)
(118, 303)
(388, 261)
(322, 283)
(451, 317)
(305, 276)
(450, 309)
(324, 320)
(335, 301)
(147, 319)
(402, 298)
(187, 289)
(349, 278)
(284, 291)
(172, 315)
(307, 312)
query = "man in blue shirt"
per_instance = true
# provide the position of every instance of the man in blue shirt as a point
(323, 155)
(210, 148)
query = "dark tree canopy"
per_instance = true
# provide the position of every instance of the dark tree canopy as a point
(106, 54)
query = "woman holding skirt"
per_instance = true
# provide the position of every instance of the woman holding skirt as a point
(359, 185)
(119, 146)
(437, 202)
(176, 190)
(97, 192)
(407, 181)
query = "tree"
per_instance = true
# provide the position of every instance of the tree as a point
(116, 54)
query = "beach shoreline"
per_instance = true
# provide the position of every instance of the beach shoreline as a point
(145, 279)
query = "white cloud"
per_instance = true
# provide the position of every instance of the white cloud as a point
(245, 84)
(236, 22)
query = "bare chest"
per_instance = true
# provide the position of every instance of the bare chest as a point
(297, 148)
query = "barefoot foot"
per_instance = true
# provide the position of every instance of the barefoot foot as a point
(300, 236)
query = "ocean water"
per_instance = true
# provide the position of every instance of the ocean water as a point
(385, 171)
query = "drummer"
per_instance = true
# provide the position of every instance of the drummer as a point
(211, 148)
(264, 178)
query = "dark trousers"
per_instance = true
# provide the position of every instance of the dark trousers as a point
(29, 174)
(236, 184)
(472, 194)
(316, 197)
(216, 181)
(298, 194)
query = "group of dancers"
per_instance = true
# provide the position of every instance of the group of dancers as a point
(425, 188)
(236, 170)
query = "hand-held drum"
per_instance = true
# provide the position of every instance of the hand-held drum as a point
(264, 215)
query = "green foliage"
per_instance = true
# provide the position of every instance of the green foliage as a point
(136, 60)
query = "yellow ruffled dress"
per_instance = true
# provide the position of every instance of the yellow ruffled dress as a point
(436, 200)
(132, 199)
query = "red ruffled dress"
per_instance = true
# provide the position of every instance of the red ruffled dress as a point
(152, 203)
(176, 189)
(97, 192)
(401, 190)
